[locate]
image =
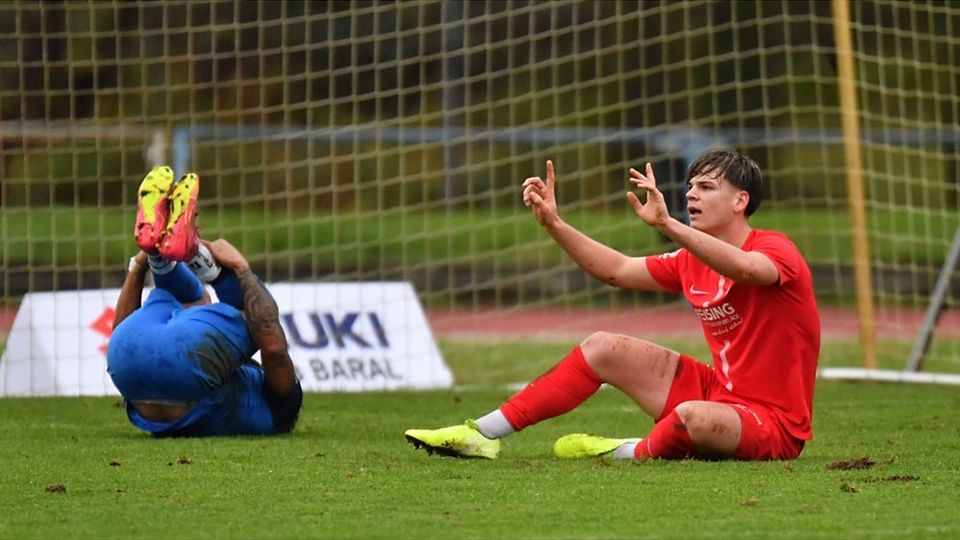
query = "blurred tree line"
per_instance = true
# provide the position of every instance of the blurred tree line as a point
(752, 69)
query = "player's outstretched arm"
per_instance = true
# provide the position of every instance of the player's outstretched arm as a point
(600, 261)
(263, 319)
(741, 266)
(132, 290)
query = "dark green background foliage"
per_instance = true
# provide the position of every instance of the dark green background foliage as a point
(387, 140)
(728, 66)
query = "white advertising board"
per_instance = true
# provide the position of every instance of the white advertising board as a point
(359, 336)
(57, 345)
(341, 336)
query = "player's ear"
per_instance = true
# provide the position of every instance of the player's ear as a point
(741, 202)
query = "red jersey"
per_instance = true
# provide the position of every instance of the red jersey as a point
(765, 340)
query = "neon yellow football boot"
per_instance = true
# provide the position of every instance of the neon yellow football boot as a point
(152, 207)
(581, 445)
(181, 235)
(462, 441)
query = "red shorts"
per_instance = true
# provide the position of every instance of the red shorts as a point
(762, 435)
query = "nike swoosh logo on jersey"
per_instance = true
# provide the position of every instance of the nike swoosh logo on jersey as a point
(694, 290)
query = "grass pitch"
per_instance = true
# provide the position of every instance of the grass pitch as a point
(884, 464)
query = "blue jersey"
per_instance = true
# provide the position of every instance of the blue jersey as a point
(199, 355)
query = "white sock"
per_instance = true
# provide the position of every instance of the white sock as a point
(627, 450)
(494, 425)
(160, 265)
(203, 265)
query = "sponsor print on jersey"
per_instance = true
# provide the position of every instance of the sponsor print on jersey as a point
(719, 319)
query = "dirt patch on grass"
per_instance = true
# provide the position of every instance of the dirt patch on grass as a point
(852, 464)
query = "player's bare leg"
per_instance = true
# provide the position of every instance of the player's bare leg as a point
(642, 370)
(645, 372)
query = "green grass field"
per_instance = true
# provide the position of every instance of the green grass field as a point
(75, 468)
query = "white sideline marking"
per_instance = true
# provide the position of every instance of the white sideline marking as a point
(860, 374)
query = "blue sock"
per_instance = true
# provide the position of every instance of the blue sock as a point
(228, 288)
(181, 283)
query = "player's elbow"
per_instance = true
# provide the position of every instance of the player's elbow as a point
(626, 274)
(751, 272)
(273, 346)
(761, 277)
(755, 269)
(748, 276)
(279, 372)
(613, 279)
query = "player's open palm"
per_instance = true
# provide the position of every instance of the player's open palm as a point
(653, 212)
(539, 195)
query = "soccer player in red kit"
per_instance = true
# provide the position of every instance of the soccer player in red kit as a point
(753, 293)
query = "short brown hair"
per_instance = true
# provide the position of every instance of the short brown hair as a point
(739, 170)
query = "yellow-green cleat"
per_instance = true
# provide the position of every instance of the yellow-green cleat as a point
(581, 445)
(462, 441)
(152, 207)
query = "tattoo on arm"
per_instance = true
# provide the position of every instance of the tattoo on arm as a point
(263, 320)
(263, 317)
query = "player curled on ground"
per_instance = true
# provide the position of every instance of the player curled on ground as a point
(753, 293)
(182, 364)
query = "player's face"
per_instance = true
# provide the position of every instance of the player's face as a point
(713, 203)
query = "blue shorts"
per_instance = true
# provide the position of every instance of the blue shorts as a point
(243, 406)
(163, 351)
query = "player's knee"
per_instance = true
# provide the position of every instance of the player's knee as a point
(606, 349)
(695, 418)
(596, 340)
(708, 428)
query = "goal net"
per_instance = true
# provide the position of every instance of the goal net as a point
(386, 141)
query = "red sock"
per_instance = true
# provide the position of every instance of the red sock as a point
(668, 440)
(556, 392)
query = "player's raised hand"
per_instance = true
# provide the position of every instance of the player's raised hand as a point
(540, 196)
(653, 212)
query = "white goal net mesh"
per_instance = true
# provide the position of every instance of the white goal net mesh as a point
(369, 141)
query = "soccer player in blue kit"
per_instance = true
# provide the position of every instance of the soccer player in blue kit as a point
(182, 364)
